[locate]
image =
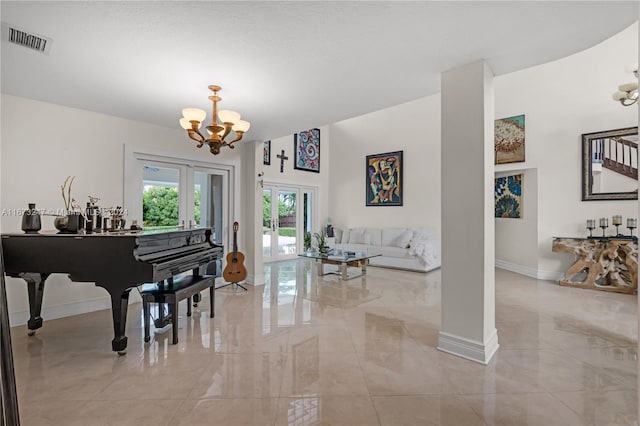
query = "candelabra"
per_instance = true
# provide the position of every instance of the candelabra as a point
(604, 224)
(632, 223)
(616, 221)
(591, 225)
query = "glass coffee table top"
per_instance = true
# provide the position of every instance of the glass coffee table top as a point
(343, 259)
(339, 256)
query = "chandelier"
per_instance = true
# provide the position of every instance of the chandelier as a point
(192, 118)
(627, 94)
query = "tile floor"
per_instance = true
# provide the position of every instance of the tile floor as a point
(303, 350)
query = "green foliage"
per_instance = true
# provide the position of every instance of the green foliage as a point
(160, 206)
(287, 232)
(307, 240)
(196, 207)
(286, 207)
(320, 242)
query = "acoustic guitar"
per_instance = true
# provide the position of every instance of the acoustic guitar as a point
(235, 271)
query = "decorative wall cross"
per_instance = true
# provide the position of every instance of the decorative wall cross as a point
(282, 157)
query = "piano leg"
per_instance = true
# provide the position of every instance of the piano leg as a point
(35, 287)
(119, 305)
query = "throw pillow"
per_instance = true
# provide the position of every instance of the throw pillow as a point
(404, 239)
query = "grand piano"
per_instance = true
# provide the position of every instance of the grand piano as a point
(115, 261)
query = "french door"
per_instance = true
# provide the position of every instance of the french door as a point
(286, 220)
(166, 193)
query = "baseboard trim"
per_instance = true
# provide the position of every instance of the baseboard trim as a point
(528, 271)
(469, 349)
(255, 279)
(61, 311)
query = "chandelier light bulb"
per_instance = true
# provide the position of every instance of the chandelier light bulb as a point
(241, 126)
(228, 116)
(185, 123)
(194, 114)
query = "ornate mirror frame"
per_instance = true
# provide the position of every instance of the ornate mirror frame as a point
(588, 141)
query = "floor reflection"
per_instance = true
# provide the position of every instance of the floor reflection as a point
(305, 349)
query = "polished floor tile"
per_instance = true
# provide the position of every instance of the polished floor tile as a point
(309, 350)
(540, 409)
(327, 410)
(424, 410)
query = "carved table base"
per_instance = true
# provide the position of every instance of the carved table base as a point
(607, 264)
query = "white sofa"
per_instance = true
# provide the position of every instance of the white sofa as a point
(415, 249)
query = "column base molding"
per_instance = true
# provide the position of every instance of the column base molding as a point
(469, 349)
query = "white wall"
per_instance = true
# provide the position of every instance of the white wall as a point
(561, 100)
(524, 258)
(42, 144)
(301, 177)
(414, 128)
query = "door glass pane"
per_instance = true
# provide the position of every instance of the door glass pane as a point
(306, 215)
(266, 222)
(160, 198)
(207, 196)
(287, 222)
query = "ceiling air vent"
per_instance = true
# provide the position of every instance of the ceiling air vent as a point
(26, 39)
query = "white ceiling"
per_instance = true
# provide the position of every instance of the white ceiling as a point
(286, 66)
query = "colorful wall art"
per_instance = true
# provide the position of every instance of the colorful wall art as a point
(508, 193)
(307, 150)
(509, 140)
(384, 179)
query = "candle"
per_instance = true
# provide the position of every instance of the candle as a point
(632, 222)
(604, 222)
(616, 220)
(591, 223)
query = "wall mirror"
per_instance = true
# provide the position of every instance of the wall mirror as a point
(610, 165)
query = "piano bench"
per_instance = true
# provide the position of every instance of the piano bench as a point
(175, 290)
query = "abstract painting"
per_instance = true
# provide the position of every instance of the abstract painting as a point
(384, 179)
(509, 140)
(307, 150)
(508, 193)
(266, 153)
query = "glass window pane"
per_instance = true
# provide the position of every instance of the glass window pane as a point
(287, 221)
(160, 197)
(266, 223)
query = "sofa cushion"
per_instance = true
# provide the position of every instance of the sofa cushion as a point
(393, 252)
(396, 237)
(359, 248)
(373, 236)
(356, 237)
(337, 233)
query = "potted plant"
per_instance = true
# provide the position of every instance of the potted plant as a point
(321, 243)
(307, 240)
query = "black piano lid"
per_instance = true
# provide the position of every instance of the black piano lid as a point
(146, 233)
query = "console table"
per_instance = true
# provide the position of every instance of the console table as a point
(608, 263)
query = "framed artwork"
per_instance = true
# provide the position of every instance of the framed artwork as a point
(509, 140)
(609, 166)
(266, 153)
(508, 193)
(306, 148)
(384, 179)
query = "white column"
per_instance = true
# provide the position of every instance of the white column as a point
(251, 225)
(468, 241)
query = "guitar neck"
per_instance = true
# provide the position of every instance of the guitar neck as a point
(235, 241)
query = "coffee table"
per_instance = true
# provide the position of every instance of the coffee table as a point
(357, 260)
